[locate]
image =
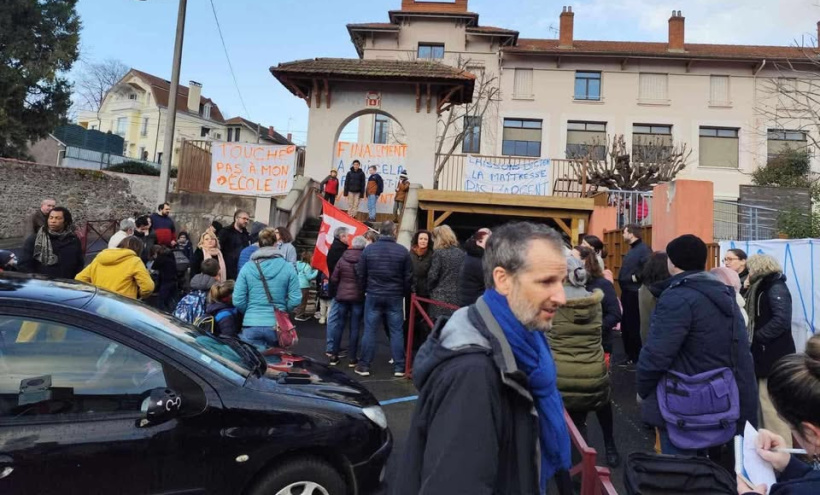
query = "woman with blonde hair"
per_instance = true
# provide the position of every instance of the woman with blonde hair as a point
(208, 247)
(442, 281)
(769, 306)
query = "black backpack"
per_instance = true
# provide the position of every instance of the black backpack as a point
(658, 474)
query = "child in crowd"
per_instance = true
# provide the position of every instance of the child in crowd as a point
(184, 245)
(323, 284)
(192, 306)
(330, 187)
(402, 188)
(306, 273)
(227, 319)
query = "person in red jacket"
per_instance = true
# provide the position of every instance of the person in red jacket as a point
(330, 187)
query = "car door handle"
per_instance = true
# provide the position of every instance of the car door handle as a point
(6, 467)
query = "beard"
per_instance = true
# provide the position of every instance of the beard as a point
(526, 312)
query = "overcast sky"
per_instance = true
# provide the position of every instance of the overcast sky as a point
(262, 33)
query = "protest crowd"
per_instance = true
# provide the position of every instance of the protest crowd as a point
(533, 332)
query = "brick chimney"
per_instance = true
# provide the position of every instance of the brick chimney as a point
(194, 93)
(818, 33)
(566, 27)
(290, 137)
(271, 132)
(676, 32)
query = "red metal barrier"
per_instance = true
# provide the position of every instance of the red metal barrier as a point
(415, 305)
(595, 480)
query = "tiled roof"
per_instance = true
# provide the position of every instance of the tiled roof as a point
(161, 89)
(375, 25)
(647, 49)
(352, 68)
(263, 130)
(396, 14)
(491, 30)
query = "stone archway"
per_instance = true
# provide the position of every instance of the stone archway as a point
(411, 93)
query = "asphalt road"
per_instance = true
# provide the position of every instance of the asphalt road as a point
(630, 436)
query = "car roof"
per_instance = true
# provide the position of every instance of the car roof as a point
(24, 287)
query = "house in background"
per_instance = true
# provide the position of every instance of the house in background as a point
(136, 108)
(241, 130)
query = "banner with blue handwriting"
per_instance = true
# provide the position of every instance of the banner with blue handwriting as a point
(531, 178)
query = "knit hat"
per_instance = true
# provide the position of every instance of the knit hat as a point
(687, 252)
(403, 175)
(576, 273)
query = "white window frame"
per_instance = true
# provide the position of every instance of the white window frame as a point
(717, 103)
(523, 81)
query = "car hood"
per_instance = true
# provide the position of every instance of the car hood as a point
(304, 377)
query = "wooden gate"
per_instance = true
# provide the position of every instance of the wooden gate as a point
(194, 167)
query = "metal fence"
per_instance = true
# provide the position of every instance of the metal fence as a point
(634, 207)
(95, 160)
(740, 222)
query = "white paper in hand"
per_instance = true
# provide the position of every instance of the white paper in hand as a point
(758, 470)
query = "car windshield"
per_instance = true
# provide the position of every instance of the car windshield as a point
(182, 337)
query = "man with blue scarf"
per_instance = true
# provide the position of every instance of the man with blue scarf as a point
(489, 419)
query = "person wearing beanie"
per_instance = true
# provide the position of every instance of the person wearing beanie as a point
(402, 188)
(576, 342)
(697, 327)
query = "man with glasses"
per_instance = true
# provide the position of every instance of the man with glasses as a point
(233, 240)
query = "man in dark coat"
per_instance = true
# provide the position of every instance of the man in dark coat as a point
(55, 250)
(385, 272)
(233, 240)
(471, 280)
(474, 429)
(354, 187)
(696, 327)
(629, 278)
(337, 249)
(39, 218)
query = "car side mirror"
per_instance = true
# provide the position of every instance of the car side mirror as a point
(161, 405)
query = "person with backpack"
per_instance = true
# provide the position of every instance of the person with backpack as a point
(306, 273)
(120, 270)
(192, 306)
(221, 317)
(330, 187)
(266, 283)
(698, 353)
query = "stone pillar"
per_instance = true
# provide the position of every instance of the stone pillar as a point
(682, 207)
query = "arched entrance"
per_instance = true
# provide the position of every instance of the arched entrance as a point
(340, 90)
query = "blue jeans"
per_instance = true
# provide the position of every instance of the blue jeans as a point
(261, 337)
(376, 308)
(337, 329)
(371, 206)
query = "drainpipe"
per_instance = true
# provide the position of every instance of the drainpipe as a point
(754, 85)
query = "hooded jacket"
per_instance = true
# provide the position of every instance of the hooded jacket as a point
(201, 281)
(227, 320)
(355, 181)
(770, 310)
(575, 340)
(471, 278)
(474, 429)
(249, 293)
(378, 185)
(692, 329)
(344, 279)
(121, 271)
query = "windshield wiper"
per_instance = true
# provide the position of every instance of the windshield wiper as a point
(260, 365)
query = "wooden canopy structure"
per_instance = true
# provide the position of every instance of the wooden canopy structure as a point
(571, 215)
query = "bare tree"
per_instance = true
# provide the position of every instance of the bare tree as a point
(95, 80)
(453, 125)
(610, 165)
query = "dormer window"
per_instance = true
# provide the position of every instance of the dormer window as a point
(132, 96)
(206, 111)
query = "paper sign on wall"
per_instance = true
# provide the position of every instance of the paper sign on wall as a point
(487, 176)
(252, 169)
(389, 159)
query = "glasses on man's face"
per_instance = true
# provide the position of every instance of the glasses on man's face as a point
(244, 218)
(729, 260)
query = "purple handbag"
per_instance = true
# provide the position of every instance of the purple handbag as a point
(702, 410)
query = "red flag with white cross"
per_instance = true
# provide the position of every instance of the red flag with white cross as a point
(332, 219)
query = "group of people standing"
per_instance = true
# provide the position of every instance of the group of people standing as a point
(370, 187)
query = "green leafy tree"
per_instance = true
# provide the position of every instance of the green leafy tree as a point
(38, 44)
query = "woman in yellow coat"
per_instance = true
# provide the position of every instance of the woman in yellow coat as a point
(120, 270)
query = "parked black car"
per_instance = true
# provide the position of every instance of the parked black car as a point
(101, 394)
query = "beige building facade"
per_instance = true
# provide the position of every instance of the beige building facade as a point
(560, 98)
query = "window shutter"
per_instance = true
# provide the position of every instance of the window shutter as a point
(523, 83)
(653, 87)
(719, 90)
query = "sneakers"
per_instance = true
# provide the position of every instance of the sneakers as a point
(627, 363)
(352, 363)
(398, 374)
(333, 360)
(391, 361)
(302, 318)
(362, 370)
(322, 321)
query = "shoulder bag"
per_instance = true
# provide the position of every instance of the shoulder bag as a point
(285, 331)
